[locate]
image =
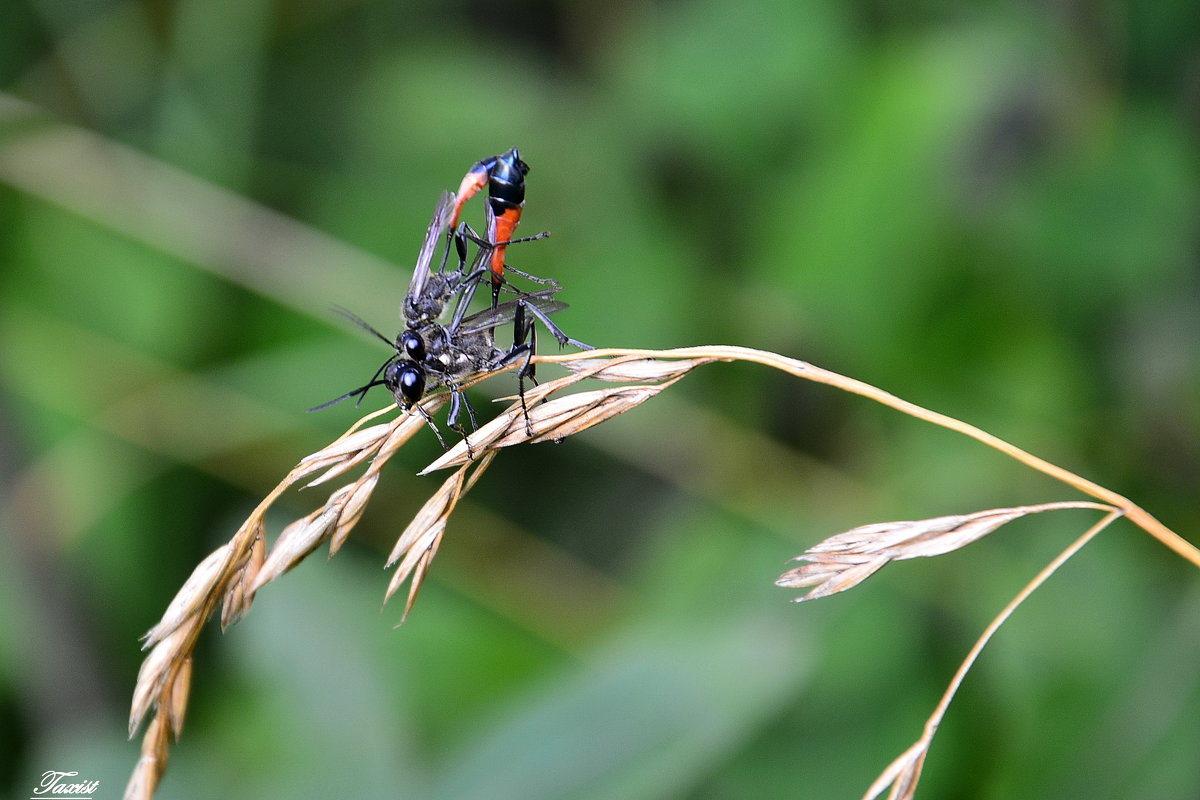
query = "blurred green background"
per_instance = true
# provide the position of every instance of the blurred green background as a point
(990, 210)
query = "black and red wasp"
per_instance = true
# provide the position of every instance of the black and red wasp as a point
(504, 176)
(430, 355)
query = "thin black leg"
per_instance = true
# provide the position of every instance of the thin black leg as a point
(458, 401)
(469, 284)
(429, 421)
(554, 330)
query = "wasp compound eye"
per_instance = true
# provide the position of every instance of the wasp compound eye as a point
(513, 158)
(406, 381)
(413, 345)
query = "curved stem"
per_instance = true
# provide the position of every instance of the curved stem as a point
(910, 762)
(802, 369)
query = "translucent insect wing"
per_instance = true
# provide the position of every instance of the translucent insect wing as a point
(433, 236)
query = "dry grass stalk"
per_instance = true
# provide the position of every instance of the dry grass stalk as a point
(846, 560)
(903, 774)
(803, 369)
(842, 562)
(633, 368)
(233, 573)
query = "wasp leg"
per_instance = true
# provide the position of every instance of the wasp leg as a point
(469, 284)
(554, 330)
(524, 344)
(458, 401)
(429, 421)
(459, 237)
(497, 282)
(470, 234)
(488, 247)
(534, 278)
(523, 328)
(524, 371)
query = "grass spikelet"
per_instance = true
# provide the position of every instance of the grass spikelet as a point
(232, 574)
(191, 597)
(239, 595)
(157, 667)
(345, 454)
(625, 370)
(152, 762)
(352, 509)
(179, 685)
(556, 419)
(842, 562)
(419, 542)
(297, 541)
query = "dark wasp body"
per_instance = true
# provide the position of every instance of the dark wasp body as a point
(431, 355)
(439, 356)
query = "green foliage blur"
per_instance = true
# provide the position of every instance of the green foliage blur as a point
(991, 210)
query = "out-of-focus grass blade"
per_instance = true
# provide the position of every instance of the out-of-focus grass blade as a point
(647, 717)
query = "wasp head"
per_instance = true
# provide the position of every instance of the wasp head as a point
(406, 381)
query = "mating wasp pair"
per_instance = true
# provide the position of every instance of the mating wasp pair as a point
(431, 354)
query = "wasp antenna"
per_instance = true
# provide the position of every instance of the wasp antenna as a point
(360, 322)
(374, 379)
(360, 390)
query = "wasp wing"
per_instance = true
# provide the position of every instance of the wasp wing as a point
(433, 236)
(507, 312)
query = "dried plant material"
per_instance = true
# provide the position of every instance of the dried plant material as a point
(353, 507)
(628, 370)
(538, 394)
(179, 685)
(298, 540)
(552, 420)
(351, 443)
(623, 369)
(358, 444)
(832, 576)
(438, 507)
(842, 562)
(232, 574)
(346, 453)
(239, 596)
(809, 372)
(903, 774)
(164, 658)
(419, 542)
(415, 564)
(191, 597)
(585, 409)
(152, 763)
(482, 440)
